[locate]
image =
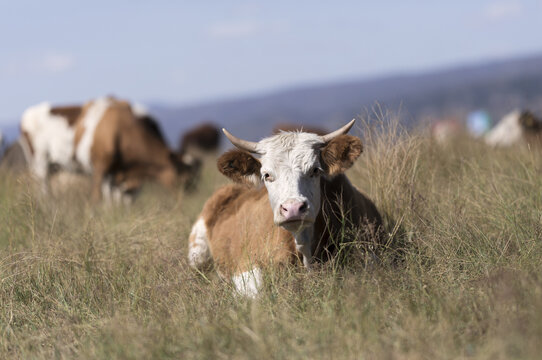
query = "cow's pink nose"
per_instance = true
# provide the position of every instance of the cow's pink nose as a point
(292, 209)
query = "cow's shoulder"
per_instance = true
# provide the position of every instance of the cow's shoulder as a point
(227, 200)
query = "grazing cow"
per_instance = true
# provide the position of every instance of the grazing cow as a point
(122, 150)
(118, 143)
(296, 127)
(516, 127)
(313, 206)
(204, 138)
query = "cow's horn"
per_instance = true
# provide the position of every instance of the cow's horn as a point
(327, 138)
(242, 144)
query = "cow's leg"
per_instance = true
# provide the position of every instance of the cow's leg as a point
(199, 254)
(100, 182)
(248, 283)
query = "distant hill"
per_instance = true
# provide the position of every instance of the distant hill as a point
(498, 87)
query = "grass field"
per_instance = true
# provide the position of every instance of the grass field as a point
(462, 277)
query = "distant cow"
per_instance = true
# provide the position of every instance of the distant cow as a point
(201, 139)
(313, 205)
(122, 150)
(516, 127)
(297, 127)
(118, 144)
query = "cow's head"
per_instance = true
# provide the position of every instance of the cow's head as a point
(291, 166)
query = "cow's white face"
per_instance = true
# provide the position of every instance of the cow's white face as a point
(291, 170)
(291, 167)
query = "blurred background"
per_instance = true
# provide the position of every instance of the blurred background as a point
(248, 65)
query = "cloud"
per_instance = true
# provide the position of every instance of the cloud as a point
(45, 63)
(234, 30)
(503, 9)
(56, 63)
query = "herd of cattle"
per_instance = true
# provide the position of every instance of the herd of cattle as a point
(290, 201)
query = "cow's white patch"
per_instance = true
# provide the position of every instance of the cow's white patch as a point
(507, 132)
(115, 195)
(90, 121)
(248, 283)
(290, 159)
(51, 138)
(198, 247)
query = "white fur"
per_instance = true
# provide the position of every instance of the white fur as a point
(289, 158)
(51, 138)
(92, 118)
(248, 283)
(198, 250)
(507, 132)
(114, 194)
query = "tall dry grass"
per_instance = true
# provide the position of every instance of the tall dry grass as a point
(460, 277)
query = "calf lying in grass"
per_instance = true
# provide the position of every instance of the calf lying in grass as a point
(312, 205)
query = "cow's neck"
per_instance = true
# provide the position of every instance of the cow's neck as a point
(303, 244)
(306, 240)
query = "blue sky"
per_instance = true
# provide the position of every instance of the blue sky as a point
(191, 51)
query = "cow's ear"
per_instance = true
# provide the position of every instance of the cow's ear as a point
(240, 166)
(340, 153)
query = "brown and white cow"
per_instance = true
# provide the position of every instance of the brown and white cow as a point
(514, 128)
(313, 206)
(118, 143)
(122, 150)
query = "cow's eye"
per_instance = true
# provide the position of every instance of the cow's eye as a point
(315, 172)
(268, 177)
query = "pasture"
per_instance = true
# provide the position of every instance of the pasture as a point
(461, 277)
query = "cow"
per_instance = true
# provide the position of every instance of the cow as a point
(200, 140)
(514, 128)
(313, 206)
(296, 127)
(122, 150)
(119, 144)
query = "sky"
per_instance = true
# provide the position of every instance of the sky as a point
(186, 52)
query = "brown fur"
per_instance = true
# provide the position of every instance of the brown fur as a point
(241, 232)
(202, 138)
(124, 148)
(532, 128)
(70, 113)
(340, 153)
(238, 166)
